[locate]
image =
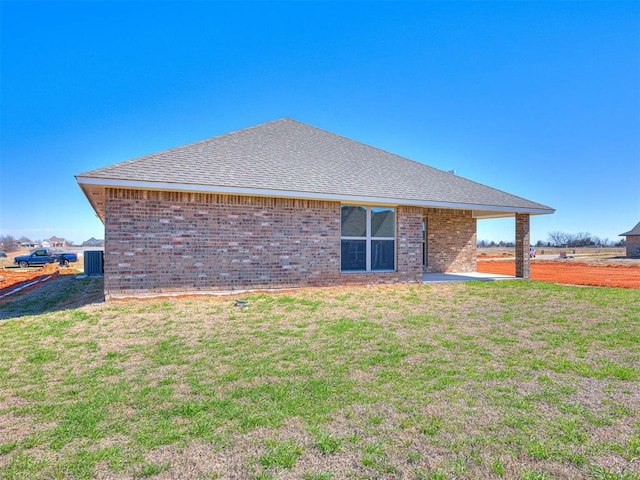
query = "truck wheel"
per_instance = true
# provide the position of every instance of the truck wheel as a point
(23, 264)
(64, 262)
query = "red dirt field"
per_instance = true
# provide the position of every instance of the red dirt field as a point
(11, 279)
(572, 273)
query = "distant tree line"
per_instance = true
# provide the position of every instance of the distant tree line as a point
(558, 238)
(489, 244)
(562, 239)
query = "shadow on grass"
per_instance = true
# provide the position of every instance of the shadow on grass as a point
(63, 293)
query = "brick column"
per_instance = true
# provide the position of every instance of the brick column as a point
(523, 242)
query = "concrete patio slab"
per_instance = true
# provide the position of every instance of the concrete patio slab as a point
(464, 277)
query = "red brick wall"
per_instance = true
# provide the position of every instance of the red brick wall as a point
(409, 242)
(523, 244)
(451, 240)
(178, 241)
(633, 245)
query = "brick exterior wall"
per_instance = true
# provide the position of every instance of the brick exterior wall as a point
(633, 245)
(523, 243)
(409, 242)
(158, 242)
(451, 241)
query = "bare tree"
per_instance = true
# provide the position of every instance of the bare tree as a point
(581, 239)
(8, 243)
(559, 238)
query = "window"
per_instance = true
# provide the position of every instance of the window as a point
(368, 239)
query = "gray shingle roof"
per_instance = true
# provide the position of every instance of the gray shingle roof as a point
(289, 158)
(634, 231)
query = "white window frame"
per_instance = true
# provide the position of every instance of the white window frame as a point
(369, 238)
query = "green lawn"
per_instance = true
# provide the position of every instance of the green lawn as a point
(517, 379)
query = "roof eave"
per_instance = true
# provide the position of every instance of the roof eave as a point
(89, 184)
(633, 232)
(95, 195)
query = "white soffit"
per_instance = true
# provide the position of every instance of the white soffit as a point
(479, 211)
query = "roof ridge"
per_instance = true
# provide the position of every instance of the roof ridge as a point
(235, 132)
(364, 144)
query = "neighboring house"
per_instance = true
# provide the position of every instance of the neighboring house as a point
(285, 204)
(93, 242)
(55, 242)
(46, 244)
(633, 241)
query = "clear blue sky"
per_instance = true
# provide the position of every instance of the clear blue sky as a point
(541, 99)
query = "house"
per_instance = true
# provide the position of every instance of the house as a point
(633, 241)
(285, 204)
(93, 242)
(55, 242)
